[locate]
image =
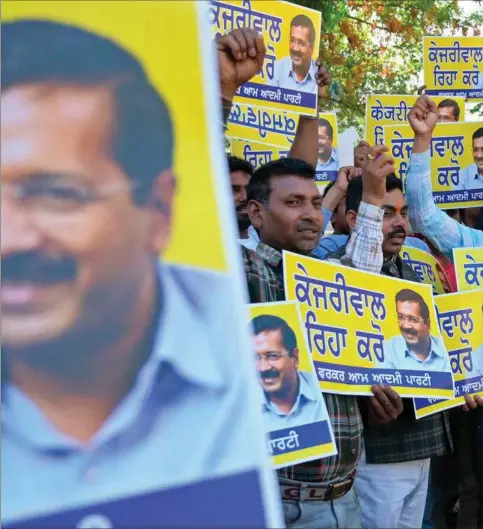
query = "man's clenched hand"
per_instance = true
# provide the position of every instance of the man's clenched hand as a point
(240, 57)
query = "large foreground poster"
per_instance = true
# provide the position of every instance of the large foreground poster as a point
(130, 396)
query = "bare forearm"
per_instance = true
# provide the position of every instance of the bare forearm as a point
(305, 143)
(421, 143)
(333, 197)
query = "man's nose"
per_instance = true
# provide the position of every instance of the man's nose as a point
(399, 222)
(314, 214)
(243, 195)
(264, 365)
(19, 230)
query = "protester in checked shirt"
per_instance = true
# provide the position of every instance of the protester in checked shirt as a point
(392, 477)
(284, 205)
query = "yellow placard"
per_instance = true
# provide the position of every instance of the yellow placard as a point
(294, 410)
(460, 318)
(393, 109)
(468, 264)
(453, 66)
(425, 266)
(365, 329)
(261, 152)
(453, 167)
(292, 35)
(257, 154)
(262, 125)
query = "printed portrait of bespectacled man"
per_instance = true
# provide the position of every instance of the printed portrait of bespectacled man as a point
(112, 360)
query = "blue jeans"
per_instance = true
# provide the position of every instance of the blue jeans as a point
(342, 513)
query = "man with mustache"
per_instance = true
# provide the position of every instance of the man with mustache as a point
(298, 72)
(415, 348)
(471, 177)
(334, 203)
(292, 397)
(110, 359)
(284, 204)
(392, 477)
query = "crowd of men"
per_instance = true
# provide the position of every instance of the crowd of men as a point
(380, 477)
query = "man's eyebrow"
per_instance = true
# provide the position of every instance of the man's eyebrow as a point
(53, 176)
(296, 195)
(390, 208)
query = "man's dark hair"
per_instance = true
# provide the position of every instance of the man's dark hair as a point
(259, 186)
(268, 322)
(325, 123)
(353, 197)
(451, 103)
(477, 134)
(305, 22)
(406, 294)
(54, 53)
(238, 164)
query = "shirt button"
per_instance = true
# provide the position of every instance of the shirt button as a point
(352, 409)
(354, 451)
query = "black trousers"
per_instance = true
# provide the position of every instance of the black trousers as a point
(460, 475)
(477, 447)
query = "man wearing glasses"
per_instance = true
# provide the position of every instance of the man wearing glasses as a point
(297, 72)
(292, 397)
(415, 348)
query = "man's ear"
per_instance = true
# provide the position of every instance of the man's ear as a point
(256, 213)
(351, 218)
(160, 209)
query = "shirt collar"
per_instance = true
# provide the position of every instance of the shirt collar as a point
(332, 158)
(306, 392)
(473, 169)
(435, 351)
(269, 254)
(188, 353)
(310, 73)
